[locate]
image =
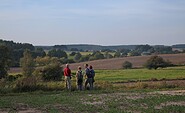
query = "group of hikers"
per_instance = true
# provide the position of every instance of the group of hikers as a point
(88, 75)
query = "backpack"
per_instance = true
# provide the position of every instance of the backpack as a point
(92, 73)
(80, 75)
(89, 73)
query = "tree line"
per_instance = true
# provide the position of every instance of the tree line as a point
(15, 52)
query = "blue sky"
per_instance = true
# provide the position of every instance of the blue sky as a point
(103, 22)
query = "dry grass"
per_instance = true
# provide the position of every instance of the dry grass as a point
(152, 84)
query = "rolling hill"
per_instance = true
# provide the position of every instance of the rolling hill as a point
(137, 61)
(116, 63)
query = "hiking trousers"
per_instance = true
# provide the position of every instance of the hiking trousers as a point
(68, 82)
(80, 87)
(90, 82)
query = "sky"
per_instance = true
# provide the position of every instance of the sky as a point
(100, 22)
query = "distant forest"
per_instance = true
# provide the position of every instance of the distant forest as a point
(71, 53)
(88, 47)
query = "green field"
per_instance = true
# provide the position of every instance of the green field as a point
(140, 74)
(104, 98)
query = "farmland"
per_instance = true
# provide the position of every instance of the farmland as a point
(137, 61)
(114, 92)
(116, 63)
(140, 74)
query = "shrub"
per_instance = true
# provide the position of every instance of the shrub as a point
(84, 58)
(117, 54)
(72, 54)
(52, 72)
(155, 62)
(65, 61)
(98, 55)
(127, 65)
(26, 84)
(77, 57)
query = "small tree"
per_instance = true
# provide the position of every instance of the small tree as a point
(155, 62)
(27, 63)
(77, 57)
(98, 55)
(72, 54)
(107, 55)
(127, 65)
(117, 54)
(84, 58)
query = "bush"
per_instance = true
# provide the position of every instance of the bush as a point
(84, 58)
(72, 54)
(26, 84)
(127, 65)
(65, 61)
(156, 61)
(77, 57)
(98, 55)
(52, 72)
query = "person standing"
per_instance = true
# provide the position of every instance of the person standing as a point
(88, 77)
(67, 77)
(79, 78)
(92, 72)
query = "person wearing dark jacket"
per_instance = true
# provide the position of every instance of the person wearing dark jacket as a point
(88, 77)
(92, 72)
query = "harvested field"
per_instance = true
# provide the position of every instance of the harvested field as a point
(116, 63)
(137, 61)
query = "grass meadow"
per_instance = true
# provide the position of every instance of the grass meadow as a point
(111, 94)
(140, 74)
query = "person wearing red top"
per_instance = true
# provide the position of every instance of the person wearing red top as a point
(67, 76)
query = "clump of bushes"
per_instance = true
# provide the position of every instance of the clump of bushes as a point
(28, 83)
(127, 65)
(157, 62)
(52, 72)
